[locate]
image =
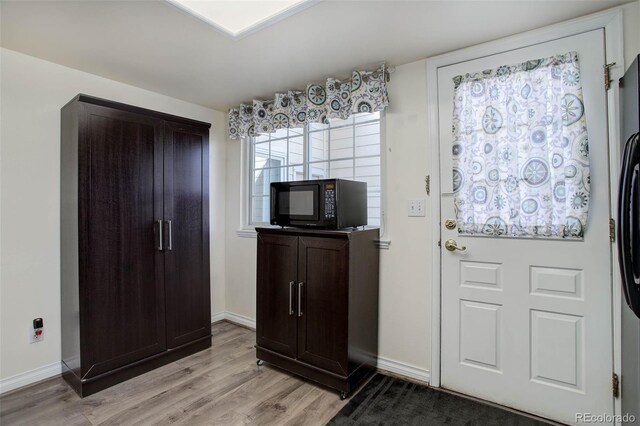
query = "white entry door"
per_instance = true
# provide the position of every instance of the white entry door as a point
(527, 323)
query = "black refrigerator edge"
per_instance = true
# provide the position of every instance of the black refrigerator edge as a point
(628, 239)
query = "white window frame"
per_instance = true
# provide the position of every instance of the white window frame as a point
(247, 230)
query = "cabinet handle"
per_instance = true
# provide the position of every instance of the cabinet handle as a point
(291, 284)
(170, 246)
(159, 247)
(300, 299)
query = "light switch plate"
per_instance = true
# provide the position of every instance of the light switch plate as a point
(415, 208)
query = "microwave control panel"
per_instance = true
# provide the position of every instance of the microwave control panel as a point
(329, 201)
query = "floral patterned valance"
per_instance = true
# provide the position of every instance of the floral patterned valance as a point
(521, 151)
(366, 91)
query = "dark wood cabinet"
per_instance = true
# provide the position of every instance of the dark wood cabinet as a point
(134, 241)
(317, 303)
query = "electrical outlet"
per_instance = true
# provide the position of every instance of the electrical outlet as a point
(36, 331)
(415, 208)
(36, 335)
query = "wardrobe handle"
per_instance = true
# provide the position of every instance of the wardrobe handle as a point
(291, 284)
(300, 299)
(159, 247)
(170, 246)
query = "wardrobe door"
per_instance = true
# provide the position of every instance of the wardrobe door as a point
(186, 226)
(121, 270)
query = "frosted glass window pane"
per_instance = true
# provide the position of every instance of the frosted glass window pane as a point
(293, 174)
(319, 146)
(279, 151)
(296, 150)
(341, 169)
(262, 180)
(368, 129)
(359, 118)
(373, 201)
(319, 170)
(260, 209)
(368, 161)
(260, 155)
(280, 133)
(317, 126)
(367, 171)
(336, 122)
(373, 182)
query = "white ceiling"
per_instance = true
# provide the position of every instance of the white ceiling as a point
(159, 47)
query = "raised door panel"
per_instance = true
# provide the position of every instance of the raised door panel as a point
(276, 297)
(122, 288)
(323, 271)
(186, 233)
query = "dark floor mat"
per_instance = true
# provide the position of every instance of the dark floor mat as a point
(389, 401)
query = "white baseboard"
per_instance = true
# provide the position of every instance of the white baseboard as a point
(240, 319)
(217, 317)
(235, 318)
(30, 377)
(407, 370)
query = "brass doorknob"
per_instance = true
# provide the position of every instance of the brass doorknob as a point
(451, 245)
(450, 224)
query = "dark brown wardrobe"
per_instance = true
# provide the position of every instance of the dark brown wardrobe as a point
(134, 232)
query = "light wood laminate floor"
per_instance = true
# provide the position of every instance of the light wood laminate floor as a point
(219, 386)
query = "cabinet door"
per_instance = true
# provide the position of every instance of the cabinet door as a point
(276, 293)
(323, 270)
(186, 233)
(120, 189)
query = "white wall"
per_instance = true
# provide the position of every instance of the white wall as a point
(405, 268)
(32, 93)
(405, 281)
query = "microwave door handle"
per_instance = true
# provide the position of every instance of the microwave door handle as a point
(630, 159)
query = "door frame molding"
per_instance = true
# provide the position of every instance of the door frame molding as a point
(611, 21)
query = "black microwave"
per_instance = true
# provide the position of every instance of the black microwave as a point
(326, 204)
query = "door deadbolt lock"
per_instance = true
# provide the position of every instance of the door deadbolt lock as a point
(450, 224)
(451, 245)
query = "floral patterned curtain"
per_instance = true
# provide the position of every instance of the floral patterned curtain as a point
(520, 150)
(366, 91)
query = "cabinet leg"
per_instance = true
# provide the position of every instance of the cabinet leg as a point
(259, 362)
(343, 396)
